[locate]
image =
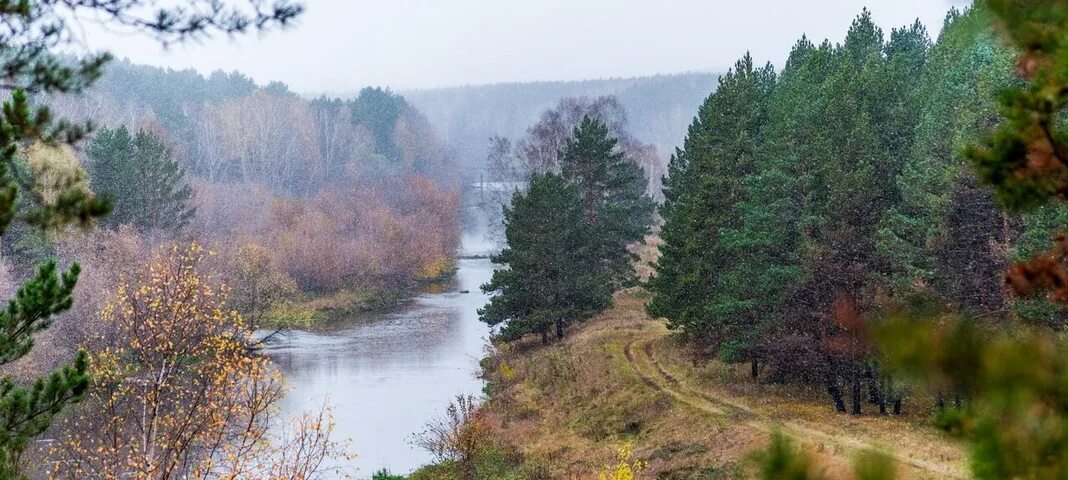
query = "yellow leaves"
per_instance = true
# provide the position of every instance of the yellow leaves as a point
(439, 267)
(174, 378)
(55, 170)
(507, 372)
(624, 469)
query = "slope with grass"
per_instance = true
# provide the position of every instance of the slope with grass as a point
(623, 378)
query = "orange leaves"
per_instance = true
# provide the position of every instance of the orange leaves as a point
(851, 341)
(1028, 64)
(1046, 272)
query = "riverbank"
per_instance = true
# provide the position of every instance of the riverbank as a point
(316, 309)
(565, 410)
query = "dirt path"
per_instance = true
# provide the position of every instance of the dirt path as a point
(641, 356)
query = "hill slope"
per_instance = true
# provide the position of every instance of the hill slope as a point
(623, 377)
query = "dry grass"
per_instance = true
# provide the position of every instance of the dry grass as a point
(623, 378)
(648, 253)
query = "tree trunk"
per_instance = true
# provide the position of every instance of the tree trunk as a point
(883, 393)
(836, 394)
(755, 368)
(854, 381)
(544, 337)
(560, 329)
(897, 405)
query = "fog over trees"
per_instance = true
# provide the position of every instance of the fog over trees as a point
(660, 107)
(850, 262)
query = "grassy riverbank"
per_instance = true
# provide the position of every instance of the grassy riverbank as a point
(306, 309)
(326, 307)
(563, 411)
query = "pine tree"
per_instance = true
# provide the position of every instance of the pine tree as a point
(679, 289)
(30, 64)
(683, 282)
(719, 274)
(854, 190)
(612, 188)
(549, 276)
(956, 100)
(378, 110)
(742, 203)
(139, 173)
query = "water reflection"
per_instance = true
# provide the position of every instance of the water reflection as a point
(388, 374)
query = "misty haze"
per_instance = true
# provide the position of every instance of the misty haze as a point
(477, 240)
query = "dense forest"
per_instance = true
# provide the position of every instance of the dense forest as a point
(836, 189)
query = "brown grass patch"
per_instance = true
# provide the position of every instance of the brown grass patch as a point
(622, 377)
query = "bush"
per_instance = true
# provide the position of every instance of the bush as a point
(385, 475)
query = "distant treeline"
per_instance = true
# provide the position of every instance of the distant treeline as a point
(228, 128)
(355, 193)
(658, 108)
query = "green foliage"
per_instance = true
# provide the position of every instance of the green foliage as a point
(550, 275)
(379, 110)
(773, 205)
(612, 188)
(1024, 159)
(843, 181)
(937, 238)
(140, 174)
(28, 412)
(1015, 421)
(783, 461)
(724, 221)
(385, 475)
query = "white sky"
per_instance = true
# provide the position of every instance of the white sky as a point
(343, 45)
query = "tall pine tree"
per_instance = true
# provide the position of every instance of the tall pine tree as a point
(714, 230)
(748, 277)
(549, 275)
(613, 190)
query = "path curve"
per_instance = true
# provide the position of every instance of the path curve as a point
(640, 355)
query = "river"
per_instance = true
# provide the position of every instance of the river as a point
(388, 374)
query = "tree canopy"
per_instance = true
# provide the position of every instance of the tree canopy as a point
(549, 275)
(141, 176)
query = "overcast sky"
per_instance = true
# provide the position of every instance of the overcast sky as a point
(342, 45)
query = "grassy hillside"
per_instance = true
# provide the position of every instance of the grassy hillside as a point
(623, 382)
(622, 378)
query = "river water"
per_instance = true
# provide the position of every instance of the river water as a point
(388, 374)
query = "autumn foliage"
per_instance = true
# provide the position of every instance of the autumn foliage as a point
(178, 393)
